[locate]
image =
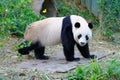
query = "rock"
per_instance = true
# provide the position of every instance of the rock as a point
(116, 38)
(37, 6)
(8, 51)
(14, 57)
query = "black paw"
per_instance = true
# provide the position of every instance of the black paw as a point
(76, 59)
(43, 57)
(73, 59)
(23, 51)
(93, 56)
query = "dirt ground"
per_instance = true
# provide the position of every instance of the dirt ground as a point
(9, 58)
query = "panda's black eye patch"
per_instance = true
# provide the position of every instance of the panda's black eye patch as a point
(86, 37)
(77, 24)
(79, 36)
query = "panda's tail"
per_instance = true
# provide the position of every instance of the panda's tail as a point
(24, 48)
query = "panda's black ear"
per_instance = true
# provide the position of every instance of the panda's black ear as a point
(77, 25)
(90, 25)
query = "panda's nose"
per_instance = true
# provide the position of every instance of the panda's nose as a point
(82, 43)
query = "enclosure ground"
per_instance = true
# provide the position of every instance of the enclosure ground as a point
(12, 65)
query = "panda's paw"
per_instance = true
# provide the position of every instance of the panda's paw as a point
(93, 56)
(76, 59)
(43, 57)
(23, 51)
(73, 59)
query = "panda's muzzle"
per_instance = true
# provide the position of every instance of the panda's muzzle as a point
(82, 43)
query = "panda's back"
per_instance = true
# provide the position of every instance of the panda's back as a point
(47, 31)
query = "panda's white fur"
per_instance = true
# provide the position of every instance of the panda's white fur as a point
(47, 31)
(71, 30)
(83, 30)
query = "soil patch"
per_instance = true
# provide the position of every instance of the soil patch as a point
(57, 63)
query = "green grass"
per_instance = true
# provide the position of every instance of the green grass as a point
(96, 71)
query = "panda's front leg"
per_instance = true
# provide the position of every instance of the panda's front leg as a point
(69, 52)
(84, 50)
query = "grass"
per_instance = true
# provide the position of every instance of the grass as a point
(96, 71)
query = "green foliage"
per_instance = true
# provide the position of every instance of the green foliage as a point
(2, 78)
(110, 16)
(66, 10)
(108, 33)
(19, 56)
(78, 74)
(24, 44)
(1, 45)
(95, 71)
(114, 70)
(15, 15)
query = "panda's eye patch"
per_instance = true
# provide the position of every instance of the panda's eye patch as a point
(86, 37)
(77, 25)
(79, 36)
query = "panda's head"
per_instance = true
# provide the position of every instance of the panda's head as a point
(81, 30)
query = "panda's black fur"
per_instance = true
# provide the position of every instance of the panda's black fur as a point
(67, 41)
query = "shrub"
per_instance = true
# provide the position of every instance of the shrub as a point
(78, 74)
(110, 16)
(15, 15)
(113, 70)
(96, 71)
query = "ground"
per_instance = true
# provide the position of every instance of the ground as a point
(14, 66)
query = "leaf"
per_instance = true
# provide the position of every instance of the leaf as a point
(29, 43)
(1, 45)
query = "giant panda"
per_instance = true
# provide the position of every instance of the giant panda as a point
(70, 31)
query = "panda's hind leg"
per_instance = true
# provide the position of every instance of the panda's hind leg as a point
(39, 53)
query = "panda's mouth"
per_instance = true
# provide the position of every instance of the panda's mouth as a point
(82, 43)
